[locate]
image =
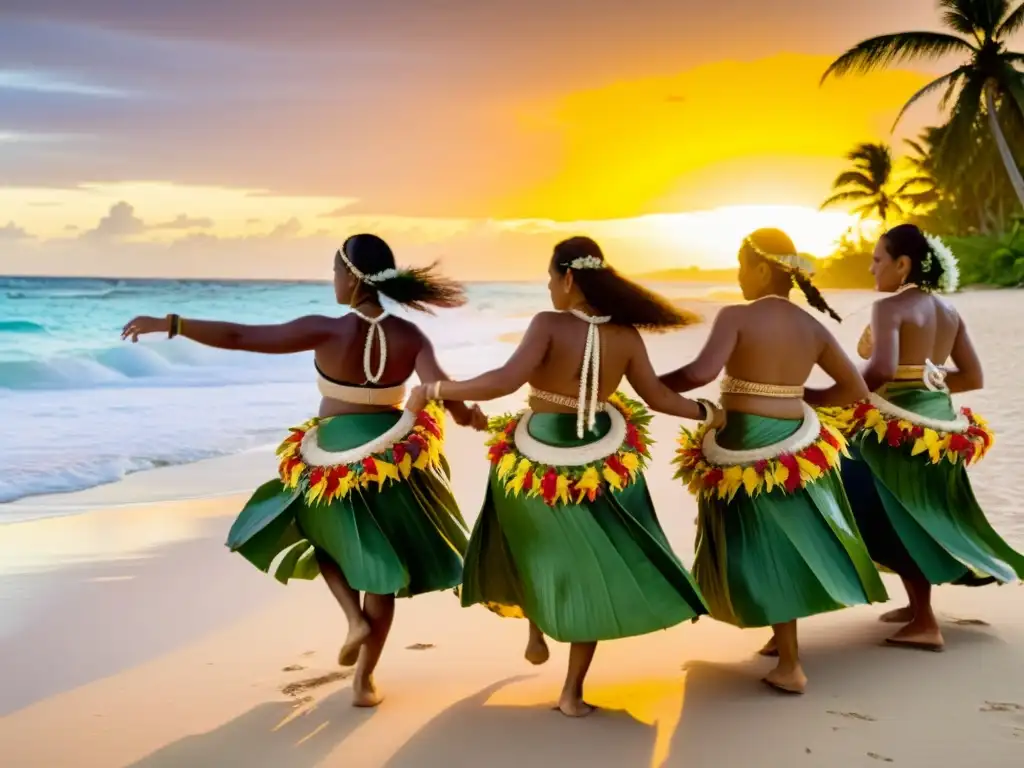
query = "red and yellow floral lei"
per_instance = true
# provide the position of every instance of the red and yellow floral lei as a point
(968, 446)
(420, 449)
(567, 485)
(787, 472)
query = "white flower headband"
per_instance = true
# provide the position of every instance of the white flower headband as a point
(949, 280)
(376, 277)
(790, 261)
(586, 262)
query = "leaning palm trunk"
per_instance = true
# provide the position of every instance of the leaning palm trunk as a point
(1004, 149)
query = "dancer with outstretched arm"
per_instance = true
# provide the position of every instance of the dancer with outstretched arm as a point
(362, 496)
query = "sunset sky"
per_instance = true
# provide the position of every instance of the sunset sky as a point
(222, 138)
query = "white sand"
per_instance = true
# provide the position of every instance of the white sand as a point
(129, 636)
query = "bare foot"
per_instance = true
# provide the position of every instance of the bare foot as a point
(358, 634)
(903, 615)
(574, 706)
(918, 636)
(770, 649)
(537, 650)
(365, 695)
(788, 681)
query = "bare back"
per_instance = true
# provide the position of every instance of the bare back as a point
(776, 343)
(928, 326)
(559, 371)
(340, 357)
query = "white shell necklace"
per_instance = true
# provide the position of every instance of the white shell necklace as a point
(375, 331)
(586, 410)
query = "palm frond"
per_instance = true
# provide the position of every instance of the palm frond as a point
(915, 145)
(1013, 22)
(986, 15)
(923, 181)
(921, 199)
(844, 197)
(958, 21)
(949, 80)
(958, 135)
(881, 51)
(952, 89)
(1012, 83)
(866, 210)
(855, 179)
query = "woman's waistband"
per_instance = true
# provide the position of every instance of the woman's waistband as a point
(731, 385)
(389, 396)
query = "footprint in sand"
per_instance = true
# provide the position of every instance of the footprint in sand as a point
(419, 647)
(1001, 706)
(853, 716)
(293, 668)
(308, 653)
(970, 623)
(301, 686)
(876, 756)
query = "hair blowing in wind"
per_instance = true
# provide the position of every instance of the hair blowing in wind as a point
(610, 294)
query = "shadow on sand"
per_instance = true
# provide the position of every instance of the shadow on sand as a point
(471, 734)
(727, 717)
(846, 714)
(271, 735)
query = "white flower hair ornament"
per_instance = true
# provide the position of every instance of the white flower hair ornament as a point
(949, 280)
(793, 262)
(586, 262)
(377, 277)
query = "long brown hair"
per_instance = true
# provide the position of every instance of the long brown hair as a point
(417, 287)
(615, 296)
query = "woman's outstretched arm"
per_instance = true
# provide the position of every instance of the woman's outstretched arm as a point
(712, 358)
(513, 374)
(299, 335)
(429, 370)
(645, 382)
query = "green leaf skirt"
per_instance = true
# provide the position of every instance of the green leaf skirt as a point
(405, 537)
(919, 518)
(596, 570)
(778, 556)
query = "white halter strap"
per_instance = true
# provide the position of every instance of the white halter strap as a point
(586, 410)
(375, 330)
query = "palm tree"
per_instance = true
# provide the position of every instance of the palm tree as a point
(987, 79)
(922, 188)
(869, 183)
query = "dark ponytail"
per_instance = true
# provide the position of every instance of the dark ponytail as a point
(773, 247)
(419, 288)
(908, 240)
(609, 293)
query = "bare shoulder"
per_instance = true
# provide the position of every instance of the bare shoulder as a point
(324, 322)
(550, 319)
(732, 313)
(889, 303)
(945, 305)
(407, 332)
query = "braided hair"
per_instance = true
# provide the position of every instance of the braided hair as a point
(764, 245)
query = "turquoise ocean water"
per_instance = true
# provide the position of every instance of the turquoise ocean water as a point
(80, 408)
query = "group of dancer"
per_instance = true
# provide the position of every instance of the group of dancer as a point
(803, 493)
